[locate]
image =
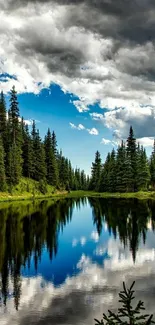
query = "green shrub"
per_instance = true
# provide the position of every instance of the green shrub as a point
(127, 314)
(43, 186)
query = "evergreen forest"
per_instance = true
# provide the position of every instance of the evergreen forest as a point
(24, 154)
(126, 169)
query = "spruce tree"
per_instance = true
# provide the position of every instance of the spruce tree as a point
(143, 173)
(104, 179)
(152, 167)
(132, 158)
(121, 169)
(54, 143)
(96, 172)
(14, 116)
(2, 168)
(14, 154)
(27, 153)
(83, 180)
(51, 162)
(2, 117)
(112, 173)
(14, 168)
(40, 171)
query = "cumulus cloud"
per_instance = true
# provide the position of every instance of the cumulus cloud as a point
(96, 116)
(28, 122)
(79, 127)
(92, 131)
(108, 59)
(146, 142)
(107, 141)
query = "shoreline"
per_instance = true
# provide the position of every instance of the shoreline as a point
(16, 198)
(137, 195)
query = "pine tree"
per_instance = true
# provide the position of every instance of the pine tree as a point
(83, 180)
(54, 143)
(96, 172)
(63, 172)
(14, 116)
(132, 157)
(2, 168)
(14, 168)
(14, 132)
(27, 152)
(40, 171)
(70, 175)
(121, 169)
(2, 117)
(104, 179)
(152, 167)
(143, 173)
(112, 173)
(77, 178)
(51, 162)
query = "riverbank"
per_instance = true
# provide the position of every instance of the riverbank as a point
(29, 189)
(7, 197)
(139, 195)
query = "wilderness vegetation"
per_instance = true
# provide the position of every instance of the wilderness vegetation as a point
(126, 170)
(24, 154)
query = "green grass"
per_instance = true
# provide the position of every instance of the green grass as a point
(28, 189)
(139, 195)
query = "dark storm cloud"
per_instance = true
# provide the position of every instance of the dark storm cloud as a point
(128, 23)
(128, 20)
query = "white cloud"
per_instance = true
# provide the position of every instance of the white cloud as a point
(107, 141)
(141, 118)
(93, 131)
(99, 60)
(80, 127)
(48, 43)
(146, 142)
(96, 116)
(81, 106)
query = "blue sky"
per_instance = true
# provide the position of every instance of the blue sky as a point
(52, 108)
(88, 79)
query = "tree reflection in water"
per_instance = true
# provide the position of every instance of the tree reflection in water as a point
(25, 230)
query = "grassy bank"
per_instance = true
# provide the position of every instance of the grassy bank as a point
(28, 189)
(139, 195)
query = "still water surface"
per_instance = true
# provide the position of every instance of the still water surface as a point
(64, 262)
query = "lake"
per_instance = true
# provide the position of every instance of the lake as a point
(64, 261)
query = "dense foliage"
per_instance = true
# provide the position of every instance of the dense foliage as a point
(125, 170)
(23, 153)
(127, 314)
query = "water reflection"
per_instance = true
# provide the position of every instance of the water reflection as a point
(29, 248)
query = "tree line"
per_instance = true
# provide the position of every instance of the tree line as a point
(126, 169)
(23, 153)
